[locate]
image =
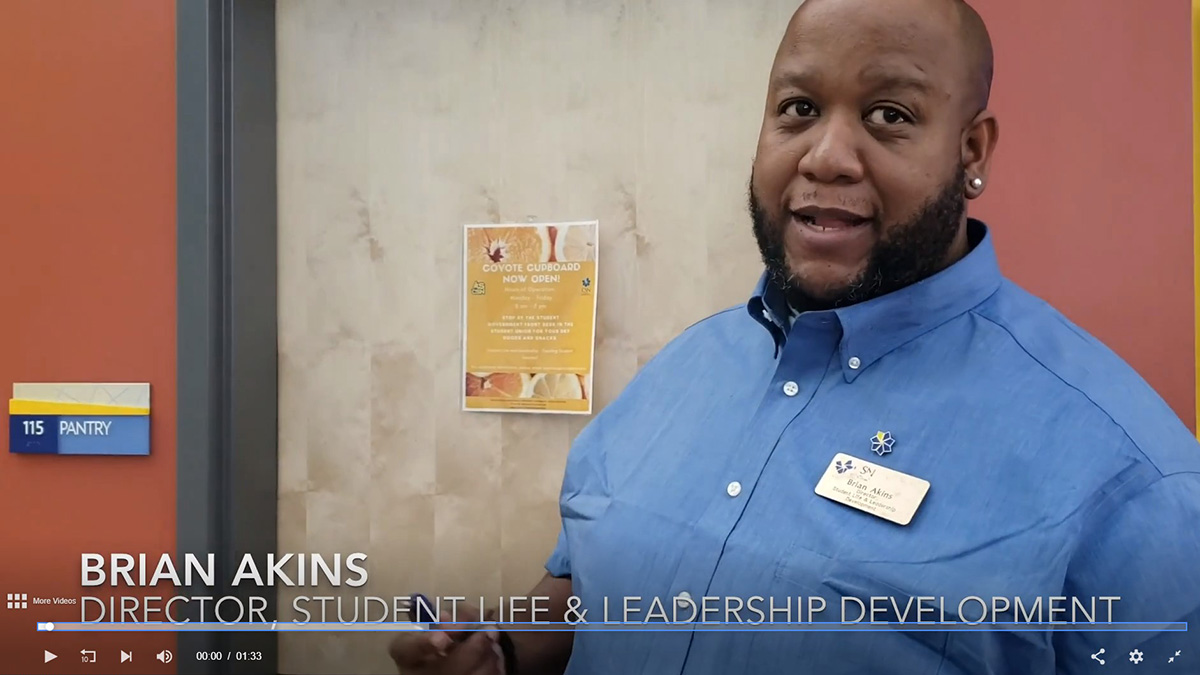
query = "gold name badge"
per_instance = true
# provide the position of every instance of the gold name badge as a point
(875, 489)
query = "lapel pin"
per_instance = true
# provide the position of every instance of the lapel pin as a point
(882, 442)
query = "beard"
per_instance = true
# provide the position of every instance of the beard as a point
(907, 252)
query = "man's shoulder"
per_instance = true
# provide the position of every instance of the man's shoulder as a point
(1090, 373)
(727, 333)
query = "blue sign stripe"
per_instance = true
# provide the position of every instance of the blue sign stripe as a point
(33, 434)
(79, 434)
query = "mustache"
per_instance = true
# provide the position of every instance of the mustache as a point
(852, 204)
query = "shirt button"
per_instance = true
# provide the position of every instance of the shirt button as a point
(733, 489)
(790, 388)
(854, 363)
(684, 599)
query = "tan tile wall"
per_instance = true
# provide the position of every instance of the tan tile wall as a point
(401, 120)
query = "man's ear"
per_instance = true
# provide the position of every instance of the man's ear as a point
(978, 147)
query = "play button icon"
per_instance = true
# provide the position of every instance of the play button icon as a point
(49, 656)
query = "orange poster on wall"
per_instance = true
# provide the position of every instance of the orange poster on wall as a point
(529, 317)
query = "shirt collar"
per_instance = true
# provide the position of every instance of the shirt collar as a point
(874, 328)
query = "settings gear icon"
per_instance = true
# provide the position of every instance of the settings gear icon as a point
(1135, 656)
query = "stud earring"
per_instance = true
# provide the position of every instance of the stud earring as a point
(976, 183)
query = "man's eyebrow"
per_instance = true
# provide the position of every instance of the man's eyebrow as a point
(793, 78)
(893, 80)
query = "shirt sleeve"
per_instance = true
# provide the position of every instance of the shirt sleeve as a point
(584, 495)
(1146, 552)
(559, 563)
(586, 488)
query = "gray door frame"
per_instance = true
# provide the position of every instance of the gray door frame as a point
(227, 436)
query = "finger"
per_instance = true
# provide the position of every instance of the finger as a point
(474, 653)
(500, 662)
(460, 631)
(409, 650)
(487, 668)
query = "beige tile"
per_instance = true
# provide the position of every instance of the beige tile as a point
(616, 365)
(338, 523)
(468, 445)
(294, 400)
(402, 543)
(293, 292)
(530, 531)
(301, 654)
(286, 597)
(467, 546)
(293, 522)
(403, 451)
(534, 454)
(319, 654)
(338, 420)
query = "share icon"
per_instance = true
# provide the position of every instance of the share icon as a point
(1096, 656)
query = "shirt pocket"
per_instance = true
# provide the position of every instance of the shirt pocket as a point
(858, 592)
(851, 595)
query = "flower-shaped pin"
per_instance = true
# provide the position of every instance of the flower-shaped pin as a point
(882, 442)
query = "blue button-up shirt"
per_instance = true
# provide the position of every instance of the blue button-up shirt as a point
(1054, 470)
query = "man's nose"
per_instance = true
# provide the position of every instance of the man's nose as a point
(834, 154)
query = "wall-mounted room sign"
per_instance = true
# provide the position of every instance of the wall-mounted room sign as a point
(79, 419)
(529, 317)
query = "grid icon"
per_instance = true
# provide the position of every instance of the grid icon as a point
(18, 601)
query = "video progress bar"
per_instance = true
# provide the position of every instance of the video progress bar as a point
(337, 627)
(213, 627)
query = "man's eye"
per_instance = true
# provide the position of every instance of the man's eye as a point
(800, 109)
(887, 116)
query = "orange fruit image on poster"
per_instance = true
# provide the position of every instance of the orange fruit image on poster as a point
(563, 386)
(508, 245)
(558, 386)
(574, 243)
(501, 385)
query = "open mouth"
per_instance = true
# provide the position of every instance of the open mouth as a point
(824, 220)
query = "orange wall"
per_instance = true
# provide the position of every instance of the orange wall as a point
(87, 294)
(1091, 195)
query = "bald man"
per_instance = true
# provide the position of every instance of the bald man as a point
(888, 430)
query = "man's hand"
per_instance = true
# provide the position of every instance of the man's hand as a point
(456, 649)
(467, 648)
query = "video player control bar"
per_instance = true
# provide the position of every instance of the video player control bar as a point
(335, 627)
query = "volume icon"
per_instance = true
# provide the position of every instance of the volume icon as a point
(165, 656)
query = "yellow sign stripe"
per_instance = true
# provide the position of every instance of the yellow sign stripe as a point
(21, 407)
(1196, 192)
